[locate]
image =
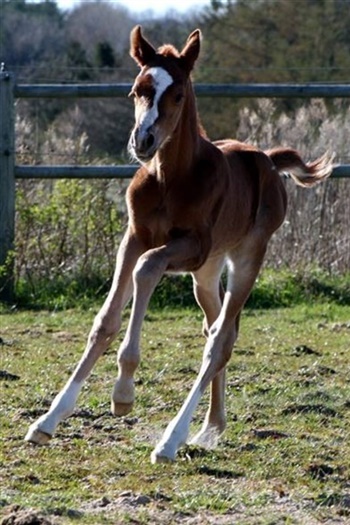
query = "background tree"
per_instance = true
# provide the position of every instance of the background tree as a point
(105, 57)
(271, 41)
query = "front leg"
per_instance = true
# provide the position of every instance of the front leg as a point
(148, 272)
(104, 330)
(149, 269)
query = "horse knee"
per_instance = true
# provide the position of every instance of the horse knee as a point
(104, 330)
(219, 348)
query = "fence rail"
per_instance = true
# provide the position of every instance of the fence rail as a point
(75, 172)
(201, 90)
(110, 172)
(9, 171)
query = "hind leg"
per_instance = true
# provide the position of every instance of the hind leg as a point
(243, 268)
(209, 294)
(215, 420)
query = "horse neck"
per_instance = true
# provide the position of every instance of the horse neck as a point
(177, 156)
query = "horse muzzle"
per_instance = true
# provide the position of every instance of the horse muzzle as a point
(143, 144)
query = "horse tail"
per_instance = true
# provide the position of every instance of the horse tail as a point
(303, 174)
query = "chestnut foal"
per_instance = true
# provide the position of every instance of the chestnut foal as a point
(194, 206)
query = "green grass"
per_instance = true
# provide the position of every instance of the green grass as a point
(273, 289)
(283, 459)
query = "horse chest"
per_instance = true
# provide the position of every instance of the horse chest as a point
(156, 217)
(159, 222)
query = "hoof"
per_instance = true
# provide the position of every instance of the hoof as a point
(156, 458)
(161, 455)
(207, 440)
(121, 409)
(34, 435)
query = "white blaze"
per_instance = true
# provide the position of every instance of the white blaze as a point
(161, 81)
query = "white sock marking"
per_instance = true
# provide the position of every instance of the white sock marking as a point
(61, 407)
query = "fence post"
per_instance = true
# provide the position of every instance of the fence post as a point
(7, 184)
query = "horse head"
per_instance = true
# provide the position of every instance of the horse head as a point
(159, 91)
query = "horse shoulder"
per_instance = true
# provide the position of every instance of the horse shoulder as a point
(211, 170)
(143, 193)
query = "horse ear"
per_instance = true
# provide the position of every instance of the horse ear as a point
(140, 49)
(190, 52)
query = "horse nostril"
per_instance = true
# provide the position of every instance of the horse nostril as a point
(150, 141)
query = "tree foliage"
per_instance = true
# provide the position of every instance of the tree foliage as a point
(279, 40)
(271, 41)
(244, 41)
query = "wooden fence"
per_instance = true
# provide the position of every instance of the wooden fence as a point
(9, 171)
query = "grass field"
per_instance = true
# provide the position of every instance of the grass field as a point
(285, 457)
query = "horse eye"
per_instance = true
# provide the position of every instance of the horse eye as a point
(178, 98)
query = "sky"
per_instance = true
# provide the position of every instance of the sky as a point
(159, 7)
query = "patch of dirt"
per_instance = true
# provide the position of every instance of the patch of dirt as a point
(16, 515)
(319, 471)
(304, 350)
(4, 342)
(310, 408)
(155, 508)
(269, 434)
(7, 376)
(338, 327)
(64, 336)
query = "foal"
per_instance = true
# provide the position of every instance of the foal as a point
(194, 206)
